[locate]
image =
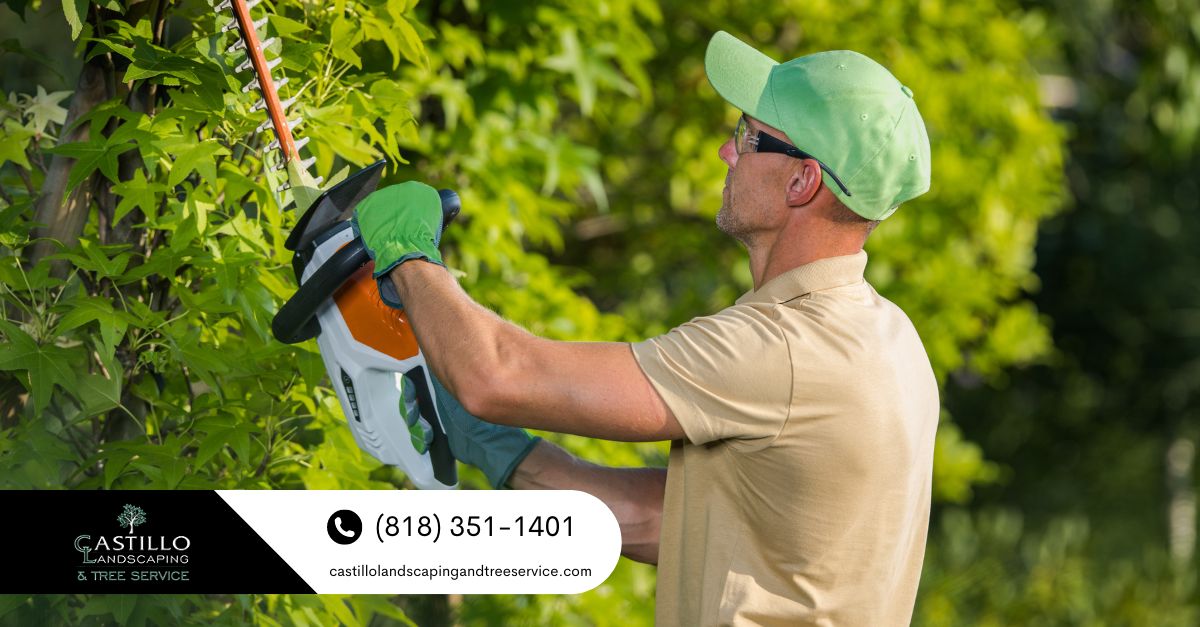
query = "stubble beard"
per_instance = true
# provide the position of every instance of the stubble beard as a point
(728, 222)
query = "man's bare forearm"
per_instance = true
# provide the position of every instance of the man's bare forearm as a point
(502, 373)
(455, 333)
(635, 495)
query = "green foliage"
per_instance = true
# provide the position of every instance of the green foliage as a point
(1087, 435)
(989, 570)
(149, 362)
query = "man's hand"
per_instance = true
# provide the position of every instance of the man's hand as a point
(399, 223)
(496, 450)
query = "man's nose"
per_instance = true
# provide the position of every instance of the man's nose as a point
(728, 153)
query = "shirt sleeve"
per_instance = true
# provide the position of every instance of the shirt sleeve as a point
(724, 376)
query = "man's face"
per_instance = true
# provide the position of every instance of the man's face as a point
(746, 203)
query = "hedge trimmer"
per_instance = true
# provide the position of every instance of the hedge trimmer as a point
(369, 351)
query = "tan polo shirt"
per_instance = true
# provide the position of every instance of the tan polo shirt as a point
(801, 495)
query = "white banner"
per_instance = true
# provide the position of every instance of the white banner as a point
(432, 541)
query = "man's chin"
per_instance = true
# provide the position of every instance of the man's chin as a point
(725, 222)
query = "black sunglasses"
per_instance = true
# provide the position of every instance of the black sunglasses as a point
(762, 142)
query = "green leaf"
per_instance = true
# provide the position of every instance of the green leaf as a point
(75, 11)
(343, 36)
(99, 393)
(201, 158)
(47, 365)
(105, 266)
(212, 444)
(241, 442)
(286, 27)
(13, 142)
(114, 464)
(410, 43)
(89, 156)
(150, 60)
(10, 602)
(173, 471)
(43, 109)
(137, 193)
(336, 605)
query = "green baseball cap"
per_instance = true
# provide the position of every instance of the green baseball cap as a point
(842, 108)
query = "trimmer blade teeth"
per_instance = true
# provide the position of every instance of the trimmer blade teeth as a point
(274, 62)
(240, 44)
(259, 23)
(300, 143)
(253, 84)
(262, 127)
(266, 43)
(307, 163)
(317, 181)
(223, 5)
(230, 26)
(292, 124)
(244, 65)
(258, 106)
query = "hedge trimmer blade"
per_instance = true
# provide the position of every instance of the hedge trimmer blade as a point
(305, 188)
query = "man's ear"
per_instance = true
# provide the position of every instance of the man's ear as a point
(804, 183)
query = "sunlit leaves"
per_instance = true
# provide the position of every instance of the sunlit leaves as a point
(14, 138)
(75, 11)
(44, 108)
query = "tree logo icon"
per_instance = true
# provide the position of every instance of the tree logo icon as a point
(132, 515)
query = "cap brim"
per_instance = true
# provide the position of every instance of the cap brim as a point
(739, 73)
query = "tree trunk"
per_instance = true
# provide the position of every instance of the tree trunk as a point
(1181, 506)
(63, 221)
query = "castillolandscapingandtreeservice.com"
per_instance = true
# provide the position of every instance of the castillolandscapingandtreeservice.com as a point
(453, 573)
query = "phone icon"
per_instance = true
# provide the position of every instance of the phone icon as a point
(344, 526)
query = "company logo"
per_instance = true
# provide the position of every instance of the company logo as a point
(130, 557)
(132, 515)
(344, 526)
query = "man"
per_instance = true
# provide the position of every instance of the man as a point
(802, 418)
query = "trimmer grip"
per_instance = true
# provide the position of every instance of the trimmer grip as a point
(445, 468)
(451, 206)
(294, 323)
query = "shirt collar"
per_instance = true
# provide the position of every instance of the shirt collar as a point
(822, 274)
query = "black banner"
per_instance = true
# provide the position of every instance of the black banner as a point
(147, 541)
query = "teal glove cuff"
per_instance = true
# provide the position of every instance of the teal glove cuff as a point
(497, 450)
(399, 223)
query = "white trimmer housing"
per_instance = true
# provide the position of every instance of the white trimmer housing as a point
(379, 373)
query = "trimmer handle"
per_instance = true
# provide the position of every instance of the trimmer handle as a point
(296, 320)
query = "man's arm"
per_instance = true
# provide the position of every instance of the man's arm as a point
(635, 495)
(499, 371)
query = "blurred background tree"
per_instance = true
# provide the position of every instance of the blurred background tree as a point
(583, 140)
(1098, 443)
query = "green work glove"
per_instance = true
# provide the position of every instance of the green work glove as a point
(497, 450)
(398, 223)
